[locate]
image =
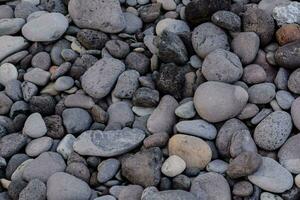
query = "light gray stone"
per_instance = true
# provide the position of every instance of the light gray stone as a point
(172, 25)
(38, 146)
(8, 72)
(10, 45)
(35, 126)
(287, 14)
(11, 26)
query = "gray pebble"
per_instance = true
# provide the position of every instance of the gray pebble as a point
(76, 120)
(107, 169)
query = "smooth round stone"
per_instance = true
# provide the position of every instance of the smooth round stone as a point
(65, 186)
(79, 101)
(29, 90)
(186, 110)
(13, 90)
(65, 146)
(195, 62)
(284, 99)
(242, 189)
(295, 112)
(76, 120)
(288, 33)
(258, 21)
(37, 76)
(273, 131)
(294, 81)
(212, 186)
(51, 26)
(14, 187)
(11, 26)
(216, 101)
(218, 166)
(41, 60)
(261, 93)
(24, 9)
(281, 79)
(5, 103)
(138, 62)
(6, 12)
(108, 143)
(117, 48)
(172, 25)
(35, 189)
(242, 141)
(44, 166)
(133, 23)
(246, 45)
(244, 164)
(222, 65)
(79, 170)
(109, 70)
(156, 140)
(142, 111)
(12, 144)
(14, 162)
(173, 166)
(272, 177)
(127, 84)
(269, 196)
(119, 113)
(105, 16)
(227, 20)
(198, 127)
(8, 72)
(289, 156)
(297, 181)
(194, 151)
(63, 83)
(254, 74)
(167, 4)
(107, 169)
(150, 12)
(35, 126)
(11, 44)
(287, 55)
(208, 37)
(38, 146)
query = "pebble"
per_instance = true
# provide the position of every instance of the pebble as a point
(63, 83)
(244, 164)
(11, 26)
(13, 163)
(195, 62)
(272, 177)
(167, 194)
(10, 45)
(24, 9)
(171, 48)
(172, 25)
(286, 56)
(258, 21)
(297, 181)
(41, 60)
(242, 141)
(186, 110)
(222, 65)
(293, 82)
(107, 169)
(143, 168)
(289, 154)
(273, 131)
(150, 12)
(79, 101)
(105, 16)
(254, 74)
(37, 76)
(42, 167)
(51, 27)
(145, 97)
(227, 20)
(295, 114)
(269, 5)
(173, 166)
(213, 37)
(92, 39)
(269, 196)
(138, 62)
(79, 170)
(38, 146)
(194, 151)
(5, 104)
(225, 101)
(261, 93)
(6, 12)
(108, 143)
(288, 33)
(212, 186)
(76, 120)
(167, 4)
(15, 187)
(287, 14)
(119, 113)
(12, 144)
(242, 189)
(65, 186)
(199, 128)
(163, 117)
(117, 48)
(8, 72)
(127, 84)
(108, 69)
(133, 23)
(284, 99)
(65, 146)
(55, 127)
(156, 140)
(13, 90)
(218, 166)
(35, 189)
(35, 126)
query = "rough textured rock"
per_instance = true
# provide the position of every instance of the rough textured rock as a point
(287, 56)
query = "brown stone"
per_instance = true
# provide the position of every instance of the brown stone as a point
(288, 33)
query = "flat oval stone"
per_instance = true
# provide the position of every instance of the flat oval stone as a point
(272, 132)
(198, 127)
(11, 26)
(217, 101)
(99, 79)
(48, 27)
(38, 146)
(108, 143)
(272, 177)
(10, 45)
(101, 15)
(8, 72)
(172, 25)
(289, 154)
